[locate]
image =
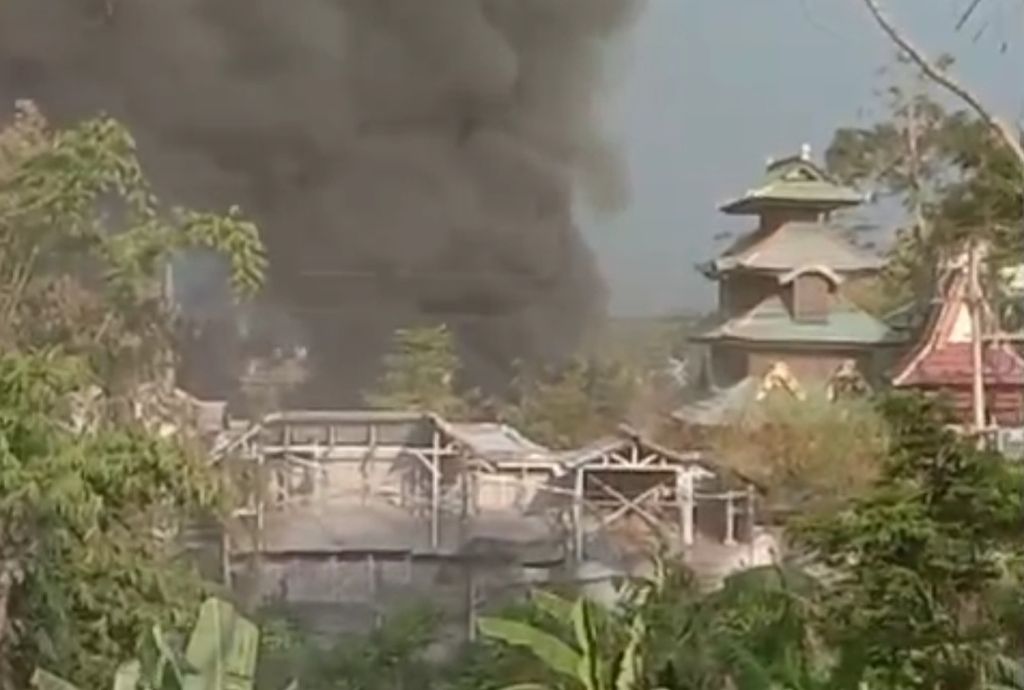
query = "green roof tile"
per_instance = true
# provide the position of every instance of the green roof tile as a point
(794, 181)
(771, 322)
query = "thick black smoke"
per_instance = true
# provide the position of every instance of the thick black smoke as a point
(408, 160)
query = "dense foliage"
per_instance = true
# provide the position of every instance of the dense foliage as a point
(947, 170)
(571, 405)
(86, 246)
(913, 582)
(220, 653)
(807, 453)
(925, 568)
(98, 469)
(87, 521)
(421, 373)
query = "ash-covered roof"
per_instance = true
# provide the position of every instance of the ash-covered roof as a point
(721, 406)
(794, 245)
(770, 321)
(344, 526)
(498, 443)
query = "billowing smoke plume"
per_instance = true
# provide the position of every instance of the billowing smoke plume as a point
(408, 160)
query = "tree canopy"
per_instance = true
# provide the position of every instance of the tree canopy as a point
(421, 373)
(86, 246)
(924, 569)
(951, 175)
(92, 500)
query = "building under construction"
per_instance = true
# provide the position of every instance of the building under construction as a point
(351, 513)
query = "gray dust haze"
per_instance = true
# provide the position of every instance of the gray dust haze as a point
(409, 161)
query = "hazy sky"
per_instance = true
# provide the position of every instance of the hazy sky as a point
(709, 89)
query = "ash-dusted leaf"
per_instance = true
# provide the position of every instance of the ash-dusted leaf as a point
(128, 676)
(557, 655)
(223, 647)
(44, 680)
(556, 607)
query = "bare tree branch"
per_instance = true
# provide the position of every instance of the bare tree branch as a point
(967, 14)
(1001, 129)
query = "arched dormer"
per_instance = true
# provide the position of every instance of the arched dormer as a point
(810, 292)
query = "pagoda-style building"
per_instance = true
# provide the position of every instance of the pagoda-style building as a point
(941, 361)
(781, 297)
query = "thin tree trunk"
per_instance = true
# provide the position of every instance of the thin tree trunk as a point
(1001, 129)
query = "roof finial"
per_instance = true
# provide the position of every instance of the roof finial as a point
(805, 152)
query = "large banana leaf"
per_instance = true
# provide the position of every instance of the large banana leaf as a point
(630, 672)
(222, 650)
(557, 655)
(221, 655)
(590, 672)
(159, 664)
(127, 676)
(1005, 674)
(44, 680)
(552, 605)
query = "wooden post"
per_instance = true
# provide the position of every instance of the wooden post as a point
(225, 557)
(974, 303)
(751, 512)
(684, 489)
(470, 600)
(435, 493)
(730, 520)
(577, 516)
(371, 576)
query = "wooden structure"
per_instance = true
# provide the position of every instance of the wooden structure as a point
(943, 360)
(781, 294)
(355, 511)
(675, 497)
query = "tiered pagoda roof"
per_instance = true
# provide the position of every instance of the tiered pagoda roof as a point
(794, 181)
(793, 244)
(795, 238)
(771, 321)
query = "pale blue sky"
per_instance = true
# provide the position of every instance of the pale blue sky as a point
(711, 88)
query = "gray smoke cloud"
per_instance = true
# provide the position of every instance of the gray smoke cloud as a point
(409, 161)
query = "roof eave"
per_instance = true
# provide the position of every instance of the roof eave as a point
(711, 269)
(752, 204)
(797, 343)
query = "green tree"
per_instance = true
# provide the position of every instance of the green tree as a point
(220, 653)
(664, 632)
(572, 405)
(922, 566)
(808, 454)
(87, 520)
(91, 499)
(951, 174)
(395, 655)
(938, 73)
(421, 373)
(86, 248)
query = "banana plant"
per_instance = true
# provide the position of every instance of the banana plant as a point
(1004, 673)
(220, 655)
(607, 654)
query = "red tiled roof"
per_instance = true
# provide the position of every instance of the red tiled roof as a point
(939, 361)
(952, 365)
